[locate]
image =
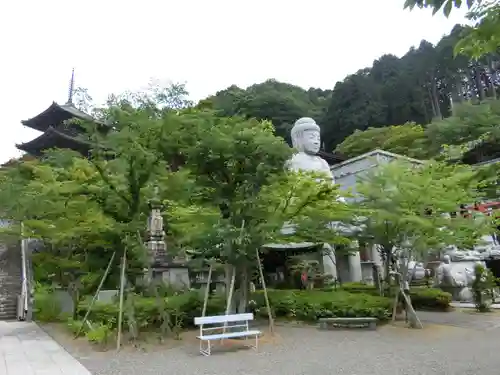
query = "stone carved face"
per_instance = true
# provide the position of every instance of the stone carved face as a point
(311, 141)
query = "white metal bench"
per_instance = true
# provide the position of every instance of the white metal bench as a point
(222, 323)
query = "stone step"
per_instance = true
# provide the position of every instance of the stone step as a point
(9, 316)
(8, 308)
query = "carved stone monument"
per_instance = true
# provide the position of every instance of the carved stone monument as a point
(170, 270)
(157, 248)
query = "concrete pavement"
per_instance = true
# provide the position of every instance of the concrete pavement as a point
(25, 349)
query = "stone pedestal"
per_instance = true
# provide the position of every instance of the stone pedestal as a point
(178, 277)
(355, 271)
(157, 250)
(367, 272)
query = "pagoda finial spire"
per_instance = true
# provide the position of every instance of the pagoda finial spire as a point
(71, 87)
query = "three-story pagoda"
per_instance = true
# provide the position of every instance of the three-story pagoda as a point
(57, 129)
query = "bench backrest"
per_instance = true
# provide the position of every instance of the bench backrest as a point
(223, 319)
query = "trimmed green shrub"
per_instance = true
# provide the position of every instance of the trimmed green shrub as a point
(422, 298)
(430, 299)
(358, 287)
(46, 307)
(309, 305)
(148, 310)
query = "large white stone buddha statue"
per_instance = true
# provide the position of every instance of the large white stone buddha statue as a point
(306, 139)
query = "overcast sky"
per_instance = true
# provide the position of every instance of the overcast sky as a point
(119, 45)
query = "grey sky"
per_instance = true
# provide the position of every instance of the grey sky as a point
(119, 45)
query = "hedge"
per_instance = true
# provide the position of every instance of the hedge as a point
(430, 299)
(422, 298)
(293, 304)
(148, 310)
(309, 305)
(304, 305)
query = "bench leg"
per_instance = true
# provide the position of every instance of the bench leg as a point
(206, 352)
(256, 342)
(372, 325)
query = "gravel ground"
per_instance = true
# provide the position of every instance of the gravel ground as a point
(451, 343)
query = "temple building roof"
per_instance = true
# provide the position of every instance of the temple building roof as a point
(53, 138)
(332, 159)
(484, 152)
(54, 116)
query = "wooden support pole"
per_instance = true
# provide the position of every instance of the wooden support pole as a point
(268, 305)
(96, 293)
(207, 291)
(122, 290)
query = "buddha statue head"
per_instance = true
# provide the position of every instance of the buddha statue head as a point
(306, 136)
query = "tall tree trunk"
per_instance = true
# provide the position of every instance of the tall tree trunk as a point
(479, 82)
(426, 113)
(472, 88)
(435, 97)
(491, 71)
(433, 103)
(244, 287)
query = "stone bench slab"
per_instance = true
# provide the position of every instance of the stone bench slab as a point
(362, 322)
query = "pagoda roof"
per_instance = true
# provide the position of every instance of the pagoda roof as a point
(55, 115)
(53, 138)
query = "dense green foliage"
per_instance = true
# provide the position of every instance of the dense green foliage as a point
(406, 207)
(422, 85)
(312, 305)
(422, 298)
(471, 135)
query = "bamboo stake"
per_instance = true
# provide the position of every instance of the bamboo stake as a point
(122, 289)
(207, 291)
(395, 307)
(268, 305)
(231, 290)
(96, 293)
(229, 297)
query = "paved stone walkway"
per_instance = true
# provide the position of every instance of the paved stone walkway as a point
(27, 350)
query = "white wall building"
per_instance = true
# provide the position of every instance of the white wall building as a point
(359, 265)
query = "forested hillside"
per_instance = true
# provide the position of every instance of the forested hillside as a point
(421, 86)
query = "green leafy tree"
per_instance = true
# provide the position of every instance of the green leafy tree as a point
(84, 209)
(484, 36)
(238, 168)
(406, 209)
(409, 140)
(279, 102)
